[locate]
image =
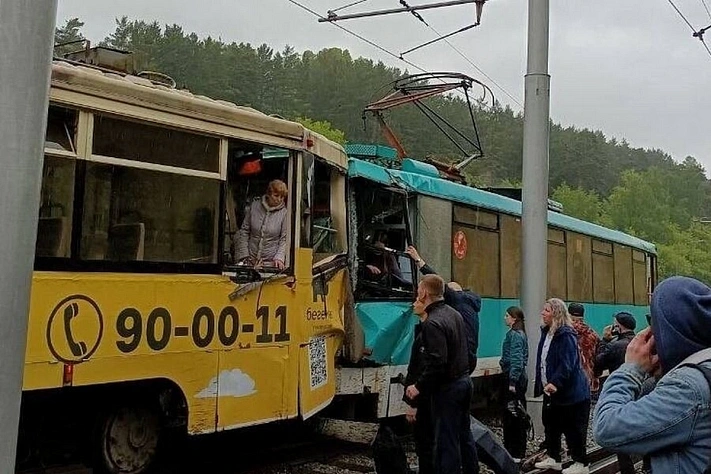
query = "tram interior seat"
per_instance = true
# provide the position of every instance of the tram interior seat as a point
(126, 242)
(52, 237)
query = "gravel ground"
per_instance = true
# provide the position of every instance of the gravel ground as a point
(362, 462)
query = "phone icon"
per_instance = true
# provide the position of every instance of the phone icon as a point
(78, 348)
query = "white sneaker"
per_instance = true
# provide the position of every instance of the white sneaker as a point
(576, 468)
(517, 460)
(549, 463)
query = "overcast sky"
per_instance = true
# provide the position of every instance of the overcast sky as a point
(631, 69)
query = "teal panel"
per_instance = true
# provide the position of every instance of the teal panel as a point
(389, 326)
(375, 151)
(492, 327)
(389, 329)
(438, 187)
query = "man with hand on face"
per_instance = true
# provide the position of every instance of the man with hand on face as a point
(672, 423)
(445, 380)
(615, 338)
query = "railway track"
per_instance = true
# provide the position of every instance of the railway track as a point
(601, 460)
(284, 451)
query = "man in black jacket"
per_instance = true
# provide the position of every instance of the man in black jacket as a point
(446, 380)
(466, 302)
(420, 409)
(610, 356)
(615, 338)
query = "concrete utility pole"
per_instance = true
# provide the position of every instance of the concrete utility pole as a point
(26, 41)
(536, 132)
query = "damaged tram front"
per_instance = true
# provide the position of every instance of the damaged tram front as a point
(470, 236)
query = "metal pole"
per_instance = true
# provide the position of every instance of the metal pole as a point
(333, 17)
(26, 36)
(535, 182)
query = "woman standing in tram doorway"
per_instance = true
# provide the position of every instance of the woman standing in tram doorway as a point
(514, 358)
(263, 233)
(566, 393)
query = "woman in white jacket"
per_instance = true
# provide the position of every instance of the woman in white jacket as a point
(263, 232)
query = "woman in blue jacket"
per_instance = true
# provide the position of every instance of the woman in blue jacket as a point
(566, 393)
(514, 358)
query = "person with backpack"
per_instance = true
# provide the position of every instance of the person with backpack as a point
(514, 358)
(672, 423)
(610, 356)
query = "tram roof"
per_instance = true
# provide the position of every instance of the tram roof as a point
(442, 188)
(101, 89)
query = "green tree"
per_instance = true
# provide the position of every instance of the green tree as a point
(641, 205)
(70, 32)
(324, 128)
(580, 203)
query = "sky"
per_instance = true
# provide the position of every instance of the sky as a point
(630, 69)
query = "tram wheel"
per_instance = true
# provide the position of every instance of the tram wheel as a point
(128, 440)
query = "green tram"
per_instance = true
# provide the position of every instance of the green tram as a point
(473, 237)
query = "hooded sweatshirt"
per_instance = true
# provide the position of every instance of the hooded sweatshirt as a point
(681, 319)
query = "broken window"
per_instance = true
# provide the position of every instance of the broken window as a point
(383, 233)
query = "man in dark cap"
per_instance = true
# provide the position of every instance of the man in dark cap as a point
(610, 356)
(615, 338)
(588, 340)
(672, 423)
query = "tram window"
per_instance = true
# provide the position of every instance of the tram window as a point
(135, 214)
(257, 181)
(510, 256)
(624, 284)
(475, 264)
(61, 129)
(557, 263)
(327, 212)
(153, 144)
(639, 270)
(556, 236)
(56, 208)
(382, 229)
(603, 272)
(475, 217)
(579, 251)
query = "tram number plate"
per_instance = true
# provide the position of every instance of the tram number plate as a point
(158, 330)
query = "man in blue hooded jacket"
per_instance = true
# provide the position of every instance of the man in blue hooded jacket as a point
(466, 302)
(672, 423)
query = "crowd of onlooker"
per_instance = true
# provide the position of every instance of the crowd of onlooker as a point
(653, 387)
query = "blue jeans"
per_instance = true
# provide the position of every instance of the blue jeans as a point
(455, 451)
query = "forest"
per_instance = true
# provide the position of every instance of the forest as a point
(644, 192)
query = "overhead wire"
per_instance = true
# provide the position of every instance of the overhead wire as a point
(360, 37)
(707, 8)
(352, 4)
(682, 16)
(697, 34)
(466, 58)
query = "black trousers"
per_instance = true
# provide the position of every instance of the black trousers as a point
(514, 429)
(625, 463)
(424, 436)
(571, 421)
(454, 448)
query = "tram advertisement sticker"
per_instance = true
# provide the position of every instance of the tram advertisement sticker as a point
(460, 245)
